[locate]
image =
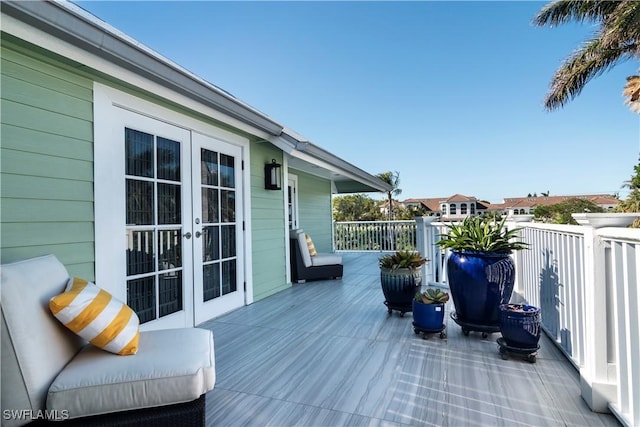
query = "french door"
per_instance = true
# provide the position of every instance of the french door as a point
(183, 216)
(217, 225)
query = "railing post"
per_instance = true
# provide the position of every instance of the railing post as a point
(425, 233)
(597, 388)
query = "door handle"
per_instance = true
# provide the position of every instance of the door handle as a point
(187, 234)
(198, 234)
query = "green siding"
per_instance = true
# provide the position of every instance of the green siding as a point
(268, 226)
(314, 209)
(46, 161)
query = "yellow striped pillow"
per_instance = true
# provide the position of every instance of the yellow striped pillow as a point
(93, 314)
(311, 246)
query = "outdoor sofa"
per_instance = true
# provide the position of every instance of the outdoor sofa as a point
(305, 266)
(50, 373)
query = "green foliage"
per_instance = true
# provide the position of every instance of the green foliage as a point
(560, 213)
(432, 296)
(479, 234)
(356, 207)
(402, 259)
(408, 213)
(632, 202)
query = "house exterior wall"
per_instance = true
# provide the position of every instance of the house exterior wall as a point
(314, 207)
(47, 161)
(268, 226)
(47, 169)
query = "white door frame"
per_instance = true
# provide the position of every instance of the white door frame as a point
(109, 103)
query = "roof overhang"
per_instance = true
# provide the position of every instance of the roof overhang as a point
(72, 24)
(78, 28)
(307, 157)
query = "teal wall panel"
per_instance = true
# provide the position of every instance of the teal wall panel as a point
(268, 226)
(314, 209)
(46, 161)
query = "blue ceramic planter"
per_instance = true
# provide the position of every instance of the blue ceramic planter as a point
(479, 283)
(400, 286)
(428, 316)
(520, 325)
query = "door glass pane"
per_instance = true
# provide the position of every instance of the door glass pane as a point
(141, 297)
(139, 202)
(169, 204)
(228, 241)
(139, 153)
(168, 160)
(169, 249)
(140, 258)
(153, 200)
(209, 168)
(210, 243)
(227, 171)
(210, 281)
(170, 292)
(209, 205)
(228, 206)
(228, 277)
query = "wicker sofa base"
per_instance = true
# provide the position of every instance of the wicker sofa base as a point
(189, 414)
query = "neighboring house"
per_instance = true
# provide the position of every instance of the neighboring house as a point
(458, 207)
(453, 208)
(526, 205)
(145, 178)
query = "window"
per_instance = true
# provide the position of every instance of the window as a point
(452, 209)
(444, 209)
(463, 209)
(473, 208)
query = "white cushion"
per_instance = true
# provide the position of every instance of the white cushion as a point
(96, 316)
(40, 345)
(172, 366)
(304, 249)
(326, 259)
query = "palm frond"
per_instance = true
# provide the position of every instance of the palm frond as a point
(562, 11)
(632, 92)
(622, 27)
(589, 61)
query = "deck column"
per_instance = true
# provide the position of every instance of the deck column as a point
(597, 386)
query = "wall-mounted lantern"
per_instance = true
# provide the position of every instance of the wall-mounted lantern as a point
(272, 176)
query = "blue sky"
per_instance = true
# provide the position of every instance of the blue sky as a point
(449, 94)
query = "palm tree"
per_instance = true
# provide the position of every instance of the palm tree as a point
(617, 39)
(393, 179)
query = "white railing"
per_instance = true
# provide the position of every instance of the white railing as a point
(586, 281)
(359, 236)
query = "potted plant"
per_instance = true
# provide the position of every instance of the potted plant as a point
(400, 277)
(520, 325)
(428, 311)
(480, 271)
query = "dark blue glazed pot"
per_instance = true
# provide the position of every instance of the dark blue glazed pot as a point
(520, 325)
(428, 316)
(400, 286)
(479, 283)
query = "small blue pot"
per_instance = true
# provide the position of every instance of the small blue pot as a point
(520, 325)
(428, 316)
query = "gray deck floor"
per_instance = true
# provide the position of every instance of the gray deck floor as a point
(327, 353)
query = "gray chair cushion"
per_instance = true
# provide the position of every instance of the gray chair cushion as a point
(171, 366)
(304, 249)
(326, 259)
